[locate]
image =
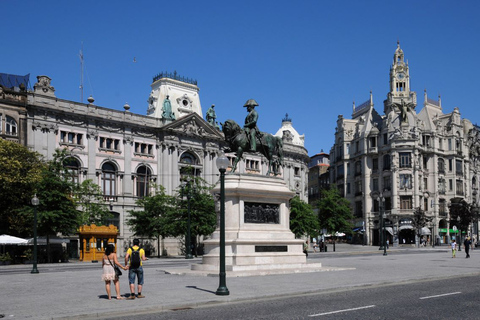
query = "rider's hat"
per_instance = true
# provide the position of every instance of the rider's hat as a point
(251, 102)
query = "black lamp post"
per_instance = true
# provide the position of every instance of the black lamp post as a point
(222, 165)
(187, 188)
(383, 243)
(35, 203)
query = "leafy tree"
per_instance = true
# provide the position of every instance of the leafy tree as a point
(89, 199)
(302, 219)
(152, 220)
(20, 171)
(57, 211)
(461, 215)
(334, 212)
(203, 218)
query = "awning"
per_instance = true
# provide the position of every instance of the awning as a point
(405, 226)
(425, 231)
(6, 239)
(389, 230)
(43, 241)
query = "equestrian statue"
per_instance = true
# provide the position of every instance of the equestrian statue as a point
(251, 139)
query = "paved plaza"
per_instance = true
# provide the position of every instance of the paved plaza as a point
(75, 290)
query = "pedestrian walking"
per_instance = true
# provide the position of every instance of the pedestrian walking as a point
(467, 243)
(305, 248)
(109, 260)
(388, 243)
(134, 257)
(454, 248)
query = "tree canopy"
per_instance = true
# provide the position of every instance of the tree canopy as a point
(303, 221)
(334, 212)
(152, 221)
(90, 201)
(20, 172)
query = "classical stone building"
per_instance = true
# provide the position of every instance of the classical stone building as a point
(127, 153)
(318, 175)
(405, 160)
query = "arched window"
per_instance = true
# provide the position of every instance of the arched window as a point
(114, 219)
(11, 126)
(189, 164)
(109, 177)
(143, 181)
(73, 168)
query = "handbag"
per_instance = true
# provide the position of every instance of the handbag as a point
(118, 272)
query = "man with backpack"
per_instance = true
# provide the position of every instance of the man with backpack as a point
(134, 257)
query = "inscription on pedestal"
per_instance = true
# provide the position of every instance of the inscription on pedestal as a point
(271, 249)
(261, 213)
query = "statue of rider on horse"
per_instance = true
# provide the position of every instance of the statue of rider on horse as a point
(251, 139)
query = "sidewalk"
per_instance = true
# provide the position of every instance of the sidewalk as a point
(69, 293)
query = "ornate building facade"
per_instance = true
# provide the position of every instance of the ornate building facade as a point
(405, 161)
(126, 153)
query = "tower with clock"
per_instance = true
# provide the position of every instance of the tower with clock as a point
(399, 83)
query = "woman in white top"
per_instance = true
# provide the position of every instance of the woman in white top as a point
(109, 259)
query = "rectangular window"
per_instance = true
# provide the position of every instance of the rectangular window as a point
(450, 165)
(405, 161)
(442, 187)
(297, 171)
(387, 183)
(348, 188)
(450, 184)
(425, 183)
(405, 181)
(442, 207)
(388, 203)
(459, 189)
(405, 202)
(375, 164)
(449, 144)
(358, 209)
(440, 143)
(358, 187)
(385, 139)
(375, 184)
(458, 167)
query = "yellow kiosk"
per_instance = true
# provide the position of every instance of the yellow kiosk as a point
(94, 240)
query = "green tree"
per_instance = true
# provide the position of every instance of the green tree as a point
(203, 218)
(302, 219)
(20, 171)
(89, 199)
(151, 222)
(334, 212)
(57, 211)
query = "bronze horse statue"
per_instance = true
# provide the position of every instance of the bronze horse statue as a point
(268, 145)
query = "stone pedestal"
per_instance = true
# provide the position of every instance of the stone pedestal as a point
(257, 228)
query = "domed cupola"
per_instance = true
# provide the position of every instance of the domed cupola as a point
(288, 133)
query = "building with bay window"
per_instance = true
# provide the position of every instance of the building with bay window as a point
(403, 160)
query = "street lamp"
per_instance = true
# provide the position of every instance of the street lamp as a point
(222, 165)
(383, 244)
(187, 189)
(35, 203)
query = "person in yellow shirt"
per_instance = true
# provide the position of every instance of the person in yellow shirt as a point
(134, 257)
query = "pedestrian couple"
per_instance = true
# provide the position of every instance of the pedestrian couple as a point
(133, 263)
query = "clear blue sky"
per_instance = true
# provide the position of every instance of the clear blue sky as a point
(309, 59)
